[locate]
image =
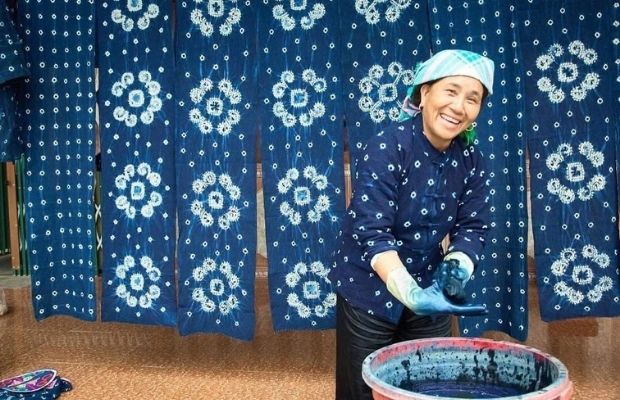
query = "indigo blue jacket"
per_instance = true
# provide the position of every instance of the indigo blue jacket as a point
(407, 196)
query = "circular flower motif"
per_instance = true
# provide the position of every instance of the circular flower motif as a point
(293, 98)
(577, 185)
(312, 283)
(208, 13)
(215, 108)
(308, 196)
(141, 183)
(216, 287)
(135, 9)
(216, 196)
(138, 93)
(138, 285)
(567, 72)
(578, 275)
(370, 9)
(379, 98)
(306, 20)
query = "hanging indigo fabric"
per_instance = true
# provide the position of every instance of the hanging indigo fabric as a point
(136, 60)
(302, 156)
(12, 67)
(567, 54)
(58, 104)
(216, 162)
(383, 42)
(500, 280)
(615, 39)
(11, 146)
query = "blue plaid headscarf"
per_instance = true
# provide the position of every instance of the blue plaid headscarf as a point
(453, 62)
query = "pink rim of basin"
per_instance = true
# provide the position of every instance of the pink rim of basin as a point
(561, 388)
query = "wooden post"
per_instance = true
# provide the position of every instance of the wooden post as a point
(12, 206)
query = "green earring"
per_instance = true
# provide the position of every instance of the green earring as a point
(468, 135)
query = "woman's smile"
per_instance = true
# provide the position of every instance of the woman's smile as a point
(450, 119)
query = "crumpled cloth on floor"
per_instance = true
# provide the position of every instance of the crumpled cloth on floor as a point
(41, 384)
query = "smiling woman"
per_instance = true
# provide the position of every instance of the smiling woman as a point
(449, 106)
(418, 182)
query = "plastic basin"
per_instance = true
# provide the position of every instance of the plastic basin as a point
(465, 368)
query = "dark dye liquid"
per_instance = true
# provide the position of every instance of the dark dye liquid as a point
(460, 389)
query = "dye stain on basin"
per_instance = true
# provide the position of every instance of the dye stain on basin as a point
(465, 368)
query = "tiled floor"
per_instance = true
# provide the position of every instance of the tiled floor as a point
(122, 361)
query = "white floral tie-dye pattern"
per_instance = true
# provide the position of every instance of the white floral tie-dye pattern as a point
(575, 182)
(139, 284)
(216, 198)
(215, 108)
(134, 8)
(309, 201)
(294, 97)
(308, 18)
(141, 183)
(215, 288)
(372, 9)
(563, 65)
(211, 14)
(380, 95)
(142, 98)
(311, 281)
(581, 277)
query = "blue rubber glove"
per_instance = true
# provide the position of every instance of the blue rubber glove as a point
(427, 301)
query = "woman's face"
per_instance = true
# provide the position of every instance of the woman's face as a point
(449, 106)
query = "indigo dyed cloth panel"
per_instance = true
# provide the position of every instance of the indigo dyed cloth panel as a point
(382, 44)
(615, 40)
(11, 144)
(216, 86)
(58, 103)
(12, 61)
(301, 142)
(12, 68)
(570, 78)
(136, 87)
(500, 280)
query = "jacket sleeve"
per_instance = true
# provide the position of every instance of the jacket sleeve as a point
(374, 202)
(472, 218)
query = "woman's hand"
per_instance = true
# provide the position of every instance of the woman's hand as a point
(432, 300)
(451, 278)
(427, 301)
(453, 274)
